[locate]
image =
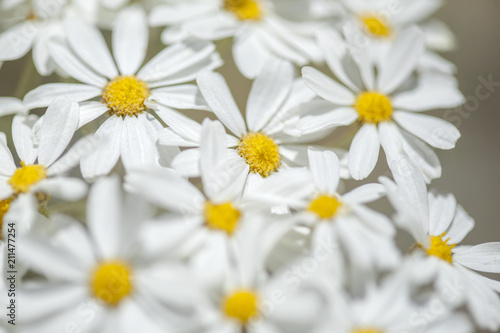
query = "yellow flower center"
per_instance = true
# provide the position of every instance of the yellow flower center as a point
(241, 305)
(373, 107)
(244, 9)
(125, 96)
(376, 25)
(222, 217)
(111, 282)
(440, 248)
(260, 152)
(27, 176)
(325, 206)
(4, 208)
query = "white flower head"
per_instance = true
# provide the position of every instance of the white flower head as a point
(438, 224)
(126, 92)
(260, 31)
(387, 104)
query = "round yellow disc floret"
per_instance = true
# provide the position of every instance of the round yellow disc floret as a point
(111, 281)
(260, 152)
(125, 96)
(373, 107)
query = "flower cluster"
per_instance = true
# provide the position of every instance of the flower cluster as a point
(136, 194)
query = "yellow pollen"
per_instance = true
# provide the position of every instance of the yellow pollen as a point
(125, 96)
(241, 305)
(111, 282)
(376, 25)
(222, 217)
(260, 152)
(373, 107)
(325, 206)
(244, 9)
(4, 208)
(440, 248)
(27, 176)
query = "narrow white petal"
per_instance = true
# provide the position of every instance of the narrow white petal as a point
(214, 88)
(88, 43)
(441, 212)
(137, 143)
(186, 96)
(331, 118)
(130, 39)
(462, 224)
(45, 94)
(68, 189)
(104, 216)
(268, 92)
(249, 53)
(90, 111)
(7, 165)
(327, 88)
(16, 41)
(187, 163)
(325, 169)
(401, 59)
(10, 105)
(59, 124)
(182, 125)
(363, 154)
(435, 131)
(365, 193)
(22, 129)
(483, 257)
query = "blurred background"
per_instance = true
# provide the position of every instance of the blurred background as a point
(471, 171)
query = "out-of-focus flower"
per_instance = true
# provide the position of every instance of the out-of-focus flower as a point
(260, 31)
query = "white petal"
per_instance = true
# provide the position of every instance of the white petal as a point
(182, 125)
(68, 189)
(22, 127)
(73, 156)
(104, 158)
(249, 54)
(7, 166)
(325, 169)
(90, 111)
(462, 224)
(365, 193)
(88, 43)
(17, 41)
(268, 92)
(435, 131)
(363, 154)
(441, 212)
(59, 124)
(483, 257)
(327, 88)
(130, 39)
(186, 96)
(137, 143)
(10, 105)
(213, 149)
(104, 216)
(434, 92)
(47, 93)
(337, 117)
(165, 188)
(218, 96)
(401, 59)
(187, 163)
(73, 66)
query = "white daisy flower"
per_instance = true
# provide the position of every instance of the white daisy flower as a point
(209, 220)
(31, 24)
(364, 235)
(380, 102)
(387, 308)
(247, 299)
(380, 22)
(100, 279)
(260, 28)
(124, 91)
(438, 224)
(42, 169)
(262, 145)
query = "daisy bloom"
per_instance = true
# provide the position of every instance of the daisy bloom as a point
(261, 145)
(364, 235)
(247, 299)
(31, 24)
(386, 105)
(123, 91)
(379, 23)
(42, 169)
(438, 224)
(261, 29)
(100, 279)
(210, 220)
